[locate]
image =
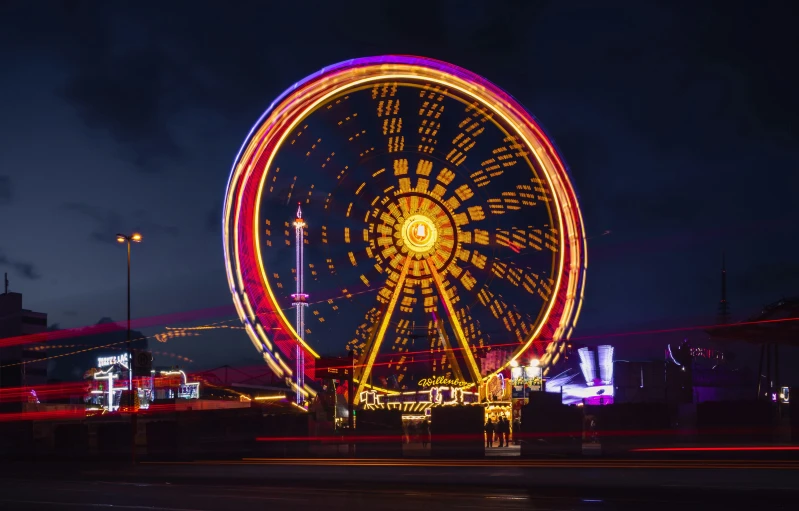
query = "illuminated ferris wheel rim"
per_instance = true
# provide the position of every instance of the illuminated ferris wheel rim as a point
(242, 234)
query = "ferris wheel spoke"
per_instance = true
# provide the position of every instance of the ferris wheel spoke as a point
(453, 360)
(378, 332)
(506, 314)
(471, 127)
(471, 363)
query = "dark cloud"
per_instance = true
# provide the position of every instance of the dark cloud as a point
(24, 269)
(6, 191)
(132, 71)
(108, 223)
(125, 95)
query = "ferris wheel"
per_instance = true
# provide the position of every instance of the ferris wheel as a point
(411, 212)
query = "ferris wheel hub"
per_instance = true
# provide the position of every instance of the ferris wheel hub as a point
(419, 233)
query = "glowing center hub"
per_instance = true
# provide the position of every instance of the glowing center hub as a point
(419, 233)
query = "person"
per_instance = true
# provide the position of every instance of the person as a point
(425, 433)
(505, 431)
(500, 430)
(489, 428)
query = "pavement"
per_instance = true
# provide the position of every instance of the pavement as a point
(377, 484)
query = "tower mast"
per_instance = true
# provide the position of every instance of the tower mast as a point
(300, 302)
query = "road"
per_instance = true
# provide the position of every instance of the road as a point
(404, 484)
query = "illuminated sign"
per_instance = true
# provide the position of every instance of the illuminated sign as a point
(189, 391)
(110, 390)
(416, 401)
(442, 381)
(446, 395)
(121, 359)
(496, 389)
(525, 379)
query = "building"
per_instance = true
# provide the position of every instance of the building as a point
(107, 381)
(687, 375)
(15, 321)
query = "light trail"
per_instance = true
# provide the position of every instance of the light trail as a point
(119, 326)
(184, 316)
(152, 321)
(454, 348)
(621, 464)
(762, 448)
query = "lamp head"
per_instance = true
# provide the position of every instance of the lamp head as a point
(121, 238)
(136, 237)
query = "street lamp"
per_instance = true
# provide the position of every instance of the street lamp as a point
(135, 238)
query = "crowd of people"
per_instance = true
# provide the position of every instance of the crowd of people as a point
(498, 429)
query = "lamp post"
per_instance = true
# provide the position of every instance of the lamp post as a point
(135, 238)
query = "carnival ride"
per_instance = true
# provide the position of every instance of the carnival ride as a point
(437, 222)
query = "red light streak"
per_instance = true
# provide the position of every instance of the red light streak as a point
(119, 326)
(687, 328)
(44, 392)
(554, 434)
(721, 449)
(43, 416)
(227, 310)
(598, 336)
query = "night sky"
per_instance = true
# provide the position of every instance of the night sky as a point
(678, 124)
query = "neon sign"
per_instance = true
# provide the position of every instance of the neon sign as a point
(442, 381)
(121, 359)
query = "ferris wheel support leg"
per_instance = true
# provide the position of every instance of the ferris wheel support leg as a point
(377, 338)
(471, 363)
(456, 368)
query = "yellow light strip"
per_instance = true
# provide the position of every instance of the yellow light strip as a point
(383, 327)
(268, 398)
(263, 336)
(471, 363)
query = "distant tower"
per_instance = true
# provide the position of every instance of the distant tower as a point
(300, 300)
(724, 306)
